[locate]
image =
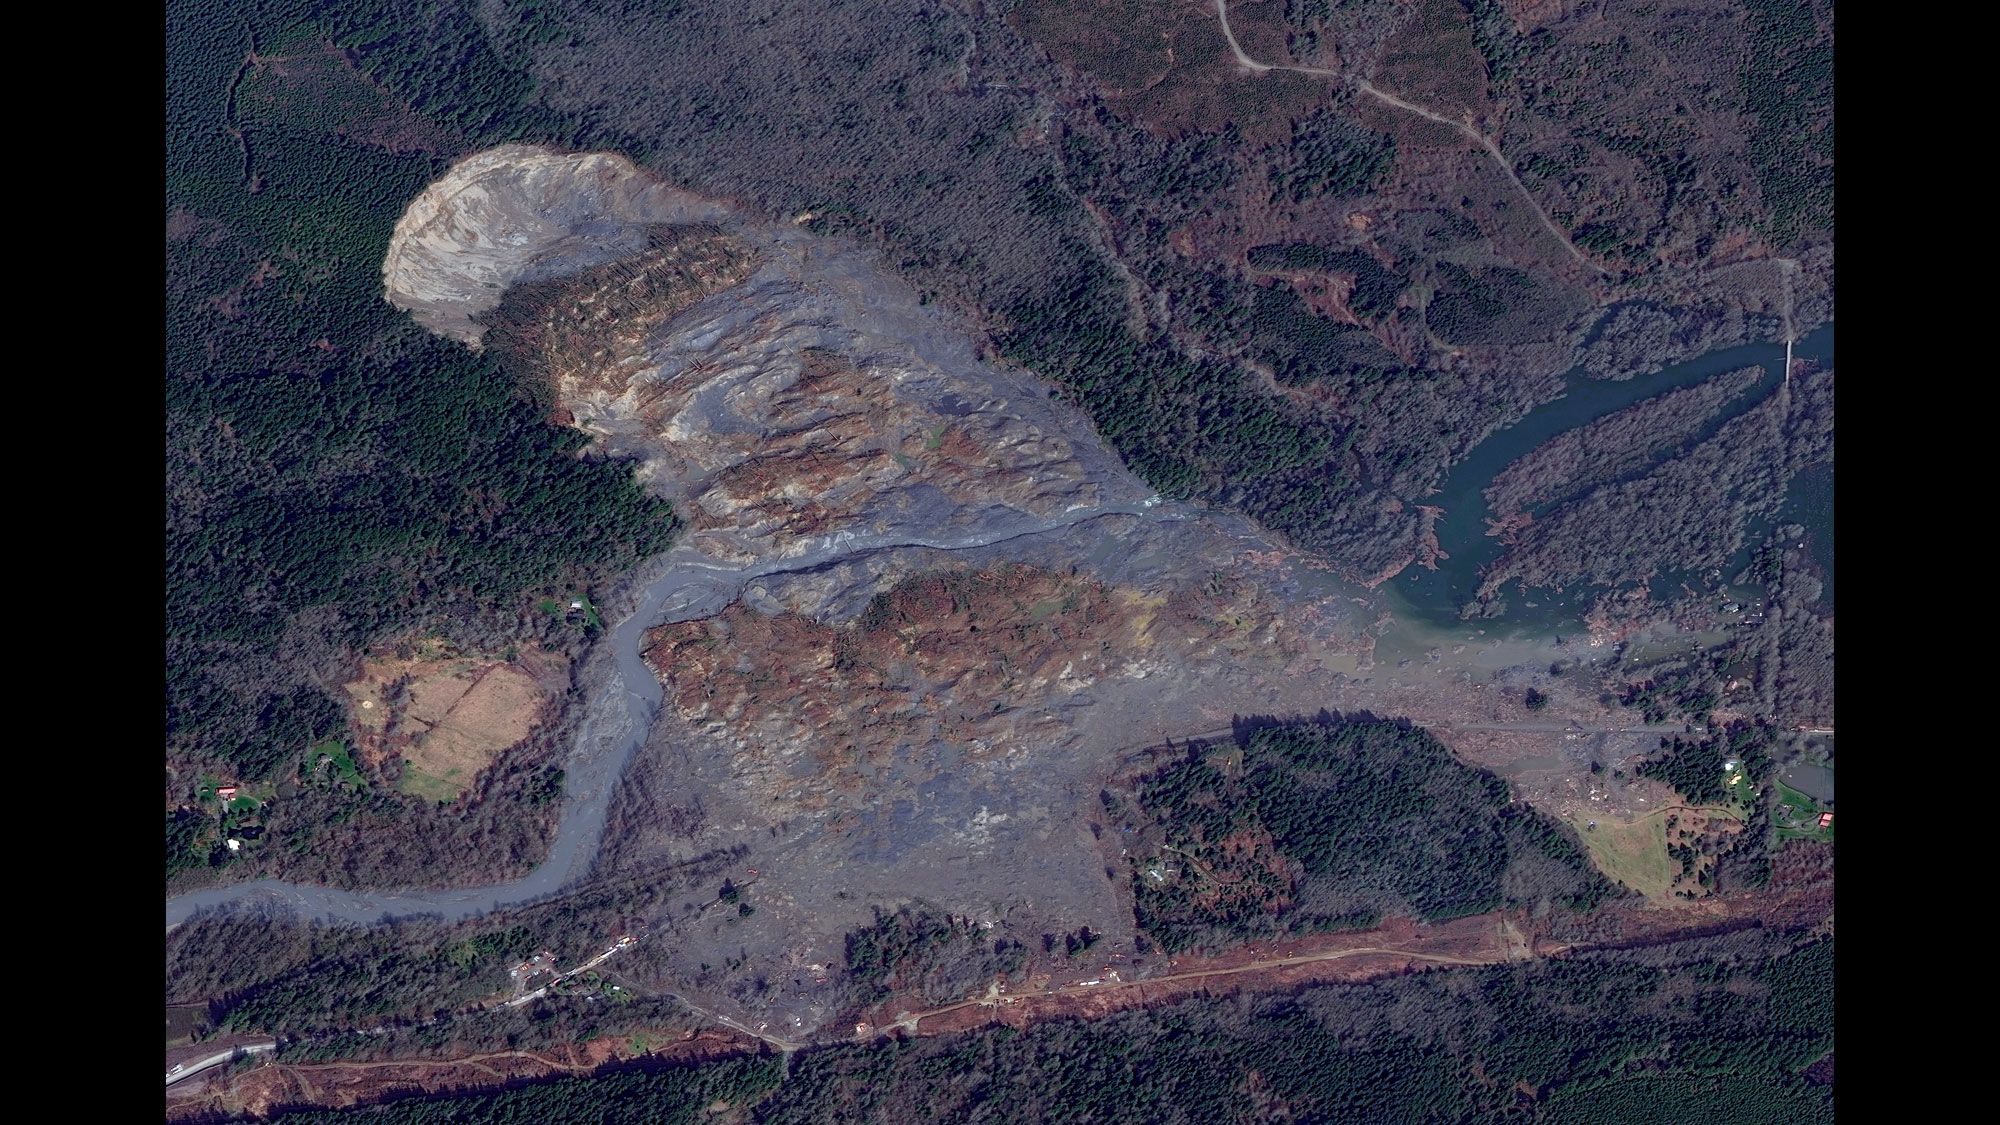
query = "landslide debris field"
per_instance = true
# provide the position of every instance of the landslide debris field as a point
(920, 617)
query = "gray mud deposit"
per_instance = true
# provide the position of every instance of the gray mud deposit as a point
(843, 452)
(518, 214)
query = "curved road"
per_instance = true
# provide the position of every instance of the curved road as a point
(1491, 146)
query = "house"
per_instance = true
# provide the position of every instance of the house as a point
(543, 962)
(226, 792)
(1826, 820)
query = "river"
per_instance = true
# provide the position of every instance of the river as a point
(618, 715)
(1436, 597)
(621, 708)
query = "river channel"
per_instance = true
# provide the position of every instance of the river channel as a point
(682, 586)
(1435, 598)
(616, 720)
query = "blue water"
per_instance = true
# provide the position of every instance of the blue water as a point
(1437, 596)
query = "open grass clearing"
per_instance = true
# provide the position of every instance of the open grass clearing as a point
(183, 1021)
(1798, 816)
(417, 783)
(1632, 852)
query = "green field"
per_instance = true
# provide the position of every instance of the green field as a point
(1797, 816)
(417, 783)
(1631, 852)
(1635, 852)
(344, 768)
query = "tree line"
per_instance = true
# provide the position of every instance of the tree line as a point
(1588, 1038)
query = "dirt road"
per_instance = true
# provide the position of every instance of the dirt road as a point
(1362, 85)
(1400, 944)
(1441, 945)
(1561, 728)
(560, 977)
(994, 998)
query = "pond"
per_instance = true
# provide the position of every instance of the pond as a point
(1814, 781)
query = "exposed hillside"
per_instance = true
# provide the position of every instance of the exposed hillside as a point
(336, 476)
(1603, 1037)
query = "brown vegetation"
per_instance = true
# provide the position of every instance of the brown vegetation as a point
(975, 659)
(446, 715)
(837, 438)
(1165, 63)
(1054, 991)
(334, 1085)
(585, 336)
(1432, 62)
(1396, 947)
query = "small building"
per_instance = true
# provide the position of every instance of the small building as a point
(1826, 820)
(235, 845)
(576, 603)
(226, 792)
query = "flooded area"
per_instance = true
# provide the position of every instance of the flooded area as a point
(1436, 597)
(954, 494)
(1540, 763)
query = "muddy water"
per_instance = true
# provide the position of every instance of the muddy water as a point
(1436, 597)
(615, 724)
(684, 586)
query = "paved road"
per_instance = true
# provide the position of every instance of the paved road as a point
(560, 977)
(189, 1070)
